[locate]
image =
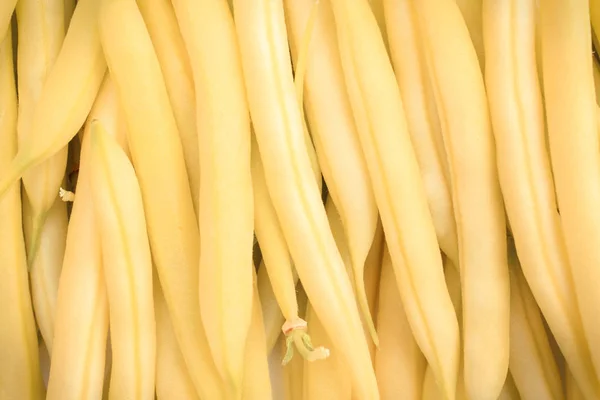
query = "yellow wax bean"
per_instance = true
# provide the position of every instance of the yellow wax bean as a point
(127, 266)
(20, 376)
(81, 319)
(158, 159)
(571, 113)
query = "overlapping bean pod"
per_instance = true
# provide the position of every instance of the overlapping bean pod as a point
(152, 134)
(526, 178)
(571, 107)
(398, 187)
(19, 364)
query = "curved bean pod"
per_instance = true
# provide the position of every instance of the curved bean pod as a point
(422, 119)
(172, 377)
(525, 174)
(127, 266)
(334, 134)
(571, 113)
(163, 29)
(477, 200)
(227, 212)
(399, 363)
(41, 31)
(20, 376)
(67, 97)
(294, 192)
(531, 363)
(81, 319)
(152, 134)
(399, 190)
(46, 268)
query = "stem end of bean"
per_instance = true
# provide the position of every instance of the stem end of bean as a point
(296, 337)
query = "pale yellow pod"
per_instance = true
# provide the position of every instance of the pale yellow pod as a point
(127, 266)
(161, 22)
(398, 186)
(45, 270)
(226, 216)
(313, 46)
(296, 197)
(525, 174)
(471, 11)
(399, 364)
(531, 363)
(571, 113)
(281, 273)
(227, 212)
(277, 277)
(160, 168)
(41, 31)
(424, 126)
(257, 382)
(277, 280)
(300, 67)
(172, 377)
(277, 260)
(67, 96)
(280, 276)
(324, 379)
(20, 376)
(152, 133)
(334, 134)
(79, 344)
(81, 320)
(477, 200)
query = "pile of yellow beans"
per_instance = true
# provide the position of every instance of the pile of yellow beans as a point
(299, 200)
